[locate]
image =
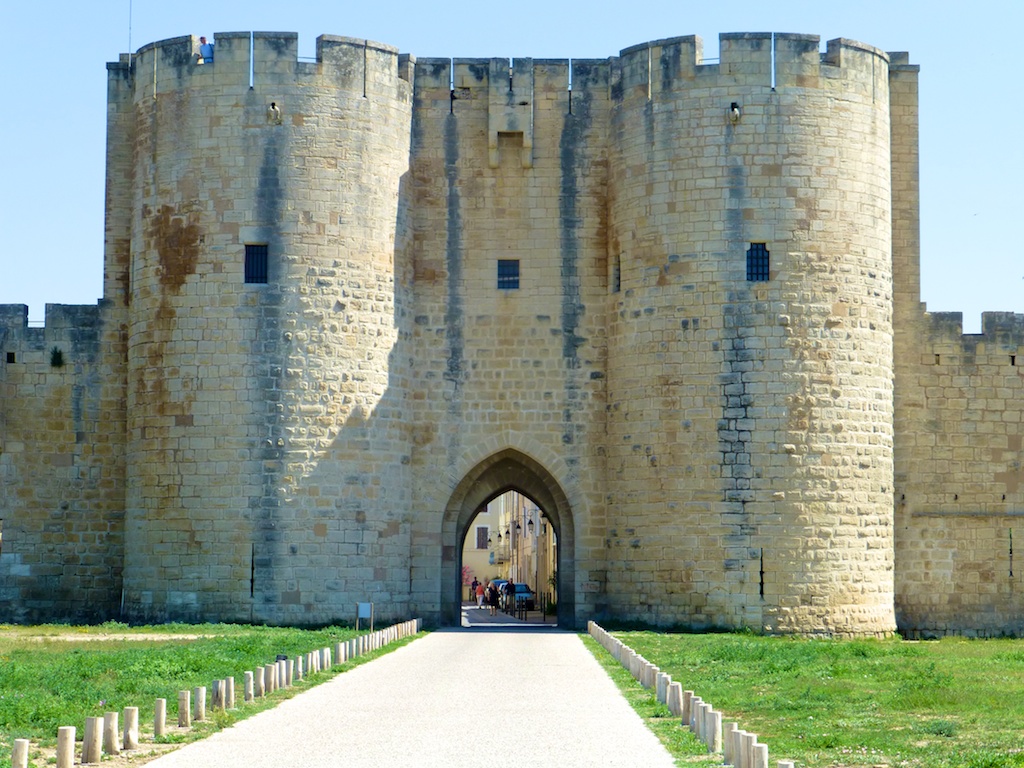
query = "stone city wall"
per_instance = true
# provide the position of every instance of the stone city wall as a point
(959, 479)
(711, 451)
(62, 467)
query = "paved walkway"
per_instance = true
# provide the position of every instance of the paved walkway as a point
(490, 695)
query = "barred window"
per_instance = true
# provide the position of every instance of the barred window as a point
(757, 263)
(508, 274)
(256, 263)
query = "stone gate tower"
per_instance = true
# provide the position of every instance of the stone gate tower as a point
(349, 301)
(750, 339)
(265, 298)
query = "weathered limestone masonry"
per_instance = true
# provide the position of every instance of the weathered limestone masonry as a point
(750, 423)
(62, 463)
(268, 441)
(805, 450)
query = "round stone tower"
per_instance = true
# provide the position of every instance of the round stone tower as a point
(266, 305)
(750, 337)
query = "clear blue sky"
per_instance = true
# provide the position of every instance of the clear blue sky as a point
(972, 161)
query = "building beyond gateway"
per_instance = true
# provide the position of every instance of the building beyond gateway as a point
(676, 304)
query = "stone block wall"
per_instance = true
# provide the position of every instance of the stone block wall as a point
(812, 453)
(62, 470)
(507, 167)
(959, 479)
(750, 427)
(267, 426)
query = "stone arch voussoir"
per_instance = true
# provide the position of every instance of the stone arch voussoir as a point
(507, 462)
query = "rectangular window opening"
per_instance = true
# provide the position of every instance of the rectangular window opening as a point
(617, 274)
(10, 357)
(508, 274)
(510, 139)
(256, 263)
(757, 263)
(481, 537)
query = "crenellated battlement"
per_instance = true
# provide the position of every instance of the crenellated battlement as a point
(998, 328)
(263, 59)
(773, 61)
(646, 70)
(60, 319)
(749, 59)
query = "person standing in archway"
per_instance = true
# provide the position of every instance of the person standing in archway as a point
(492, 598)
(510, 596)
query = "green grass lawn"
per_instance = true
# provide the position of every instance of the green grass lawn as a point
(58, 675)
(896, 703)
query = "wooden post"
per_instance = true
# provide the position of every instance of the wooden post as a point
(159, 718)
(694, 723)
(92, 740)
(66, 746)
(200, 695)
(737, 748)
(131, 728)
(111, 744)
(727, 742)
(663, 682)
(250, 689)
(749, 740)
(19, 756)
(184, 709)
(675, 699)
(715, 734)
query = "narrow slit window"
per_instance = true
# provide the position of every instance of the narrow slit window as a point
(508, 274)
(256, 263)
(757, 263)
(617, 274)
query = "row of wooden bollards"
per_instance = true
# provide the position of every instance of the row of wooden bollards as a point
(738, 748)
(103, 736)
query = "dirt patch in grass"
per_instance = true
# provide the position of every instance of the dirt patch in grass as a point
(101, 638)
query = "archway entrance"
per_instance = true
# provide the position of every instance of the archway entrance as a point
(507, 470)
(511, 540)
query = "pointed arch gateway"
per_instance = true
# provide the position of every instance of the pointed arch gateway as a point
(507, 470)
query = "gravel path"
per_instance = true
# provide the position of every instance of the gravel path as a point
(452, 698)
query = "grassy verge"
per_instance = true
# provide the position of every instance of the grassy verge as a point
(58, 675)
(683, 745)
(857, 704)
